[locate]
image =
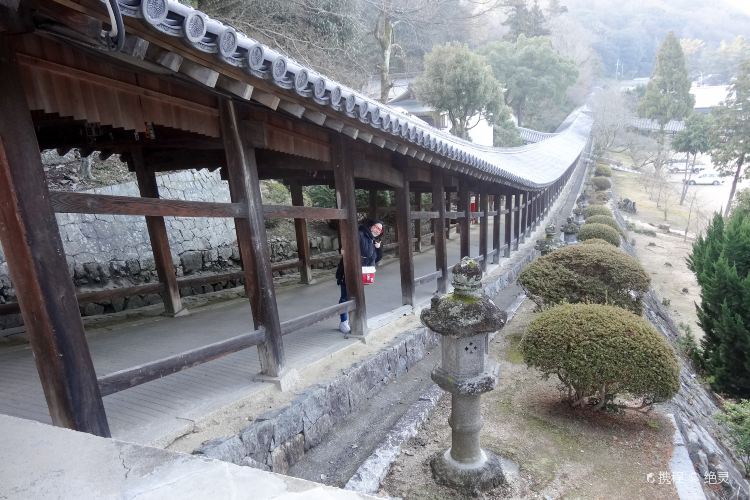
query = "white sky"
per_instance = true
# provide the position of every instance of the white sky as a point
(743, 5)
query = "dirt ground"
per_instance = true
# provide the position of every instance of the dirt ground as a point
(559, 452)
(664, 256)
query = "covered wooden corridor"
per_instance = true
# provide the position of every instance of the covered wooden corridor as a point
(182, 91)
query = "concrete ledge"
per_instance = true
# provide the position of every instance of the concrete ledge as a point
(41, 461)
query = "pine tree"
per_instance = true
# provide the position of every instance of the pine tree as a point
(524, 21)
(721, 263)
(730, 145)
(667, 95)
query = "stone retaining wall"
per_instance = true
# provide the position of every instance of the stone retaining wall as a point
(109, 251)
(278, 439)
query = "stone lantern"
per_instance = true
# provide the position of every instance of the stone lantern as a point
(465, 320)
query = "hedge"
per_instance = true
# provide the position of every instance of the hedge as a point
(597, 210)
(601, 231)
(600, 351)
(603, 219)
(601, 183)
(599, 274)
(603, 171)
(596, 241)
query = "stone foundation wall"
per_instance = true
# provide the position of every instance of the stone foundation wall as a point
(108, 251)
(278, 439)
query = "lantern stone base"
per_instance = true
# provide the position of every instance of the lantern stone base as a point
(484, 474)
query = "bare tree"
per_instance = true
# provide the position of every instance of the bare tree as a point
(611, 116)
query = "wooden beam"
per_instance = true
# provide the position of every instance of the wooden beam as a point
(424, 215)
(343, 171)
(508, 241)
(441, 254)
(483, 227)
(301, 322)
(36, 261)
(314, 116)
(417, 223)
(428, 277)
(153, 370)
(292, 108)
(86, 203)
(518, 214)
(266, 99)
(239, 88)
(244, 188)
(496, 198)
(405, 251)
(464, 206)
(201, 74)
(300, 212)
(157, 234)
(303, 243)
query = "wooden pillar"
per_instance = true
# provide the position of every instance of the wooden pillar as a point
(483, 227)
(449, 208)
(441, 253)
(303, 242)
(403, 217)
(36, 262)
(343, 172)
(244, 187)
(527, 214)
(464, 207)
(372, 208)
(520, 229)
(157, 233)
(508, 243)
(517, 220)
(418, 223)
(496, 228)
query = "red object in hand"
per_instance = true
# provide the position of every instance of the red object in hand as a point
(368, 275)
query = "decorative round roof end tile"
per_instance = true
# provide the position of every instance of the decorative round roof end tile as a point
(404, 130)
(228, 42)
(301, 79)
(386, 124)
(320, 88)
(256, 58)
(351, 103)
(195, 27)
(364, 108)
(375, 114)
(279, 69)
(155, 11)
(336, 96)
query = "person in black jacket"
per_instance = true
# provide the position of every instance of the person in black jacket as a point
(369, 249)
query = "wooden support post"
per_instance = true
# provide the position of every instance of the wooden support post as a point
(496, 227)
(518, 207)
(36, 262)
(418, 223)
(303, 243)
(372, 207)
(343, 172)
(464, 206)
(441, 253)
(403, 217)
(244, 187)
(449, 208)
(527, 214)
(157, 233)
(520, 224)
(396, 235)
(483, 227)
(508, 243)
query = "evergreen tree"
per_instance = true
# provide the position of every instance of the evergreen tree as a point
(667, 95)
(721, 263)
(730, 145)
(693, 139)
(524, 21)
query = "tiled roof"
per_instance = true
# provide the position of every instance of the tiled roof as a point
(532, 166)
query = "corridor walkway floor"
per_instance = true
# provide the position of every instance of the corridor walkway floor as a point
(147, 413)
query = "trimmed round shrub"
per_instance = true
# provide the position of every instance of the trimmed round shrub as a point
(599, 198)
(596, 241)
(599, 352)
(598, 274)
(601, 183)
(603, 171)
(601, 231)
(603, 219)
(597, 210)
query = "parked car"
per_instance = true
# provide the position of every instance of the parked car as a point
(681, 169)
(709, 178)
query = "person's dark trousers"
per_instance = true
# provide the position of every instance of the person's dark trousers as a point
(344, 298)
